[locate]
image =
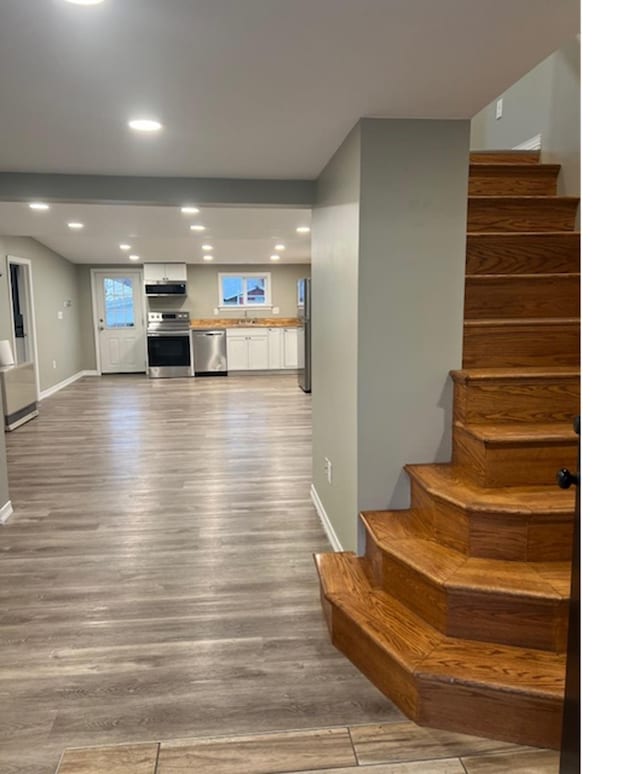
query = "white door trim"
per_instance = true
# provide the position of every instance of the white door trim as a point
(94, 307)
(32, 313)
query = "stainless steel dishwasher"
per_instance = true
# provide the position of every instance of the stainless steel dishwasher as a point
(210, 352)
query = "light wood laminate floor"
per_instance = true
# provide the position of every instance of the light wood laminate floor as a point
(157, 583)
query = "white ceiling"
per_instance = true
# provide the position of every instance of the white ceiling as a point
(248, 88)
(245, 89)
(162, 234)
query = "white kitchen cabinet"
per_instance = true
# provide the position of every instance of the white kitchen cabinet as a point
(276, 354)
(165, 272)
(247, 349)
(290, 348)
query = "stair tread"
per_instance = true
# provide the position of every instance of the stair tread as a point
(454, 570)
(445, 480)
(541, 235)
(521, 432)
(429, 654)
(515, 166)
(464, 375)
(522, 277)
(526, 199)
(528, 157)
(523, 321)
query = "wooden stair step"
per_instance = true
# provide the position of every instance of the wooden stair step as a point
(523, 253)
(498, 691)
(507, 395)
(508, 179)
(514, 454)
(522, 213)
(505, 157)
(461, 596)
(526, 523)
(512, 296)
(526, 343)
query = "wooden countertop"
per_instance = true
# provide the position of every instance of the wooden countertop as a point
(234, 322)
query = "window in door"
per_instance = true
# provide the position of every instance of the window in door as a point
(118, 302)
(245, 290)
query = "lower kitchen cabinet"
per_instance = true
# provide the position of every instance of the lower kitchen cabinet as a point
(290, 348)
(247, 351)
(262, 349)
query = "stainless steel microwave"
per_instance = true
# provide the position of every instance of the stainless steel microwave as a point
(165, 289)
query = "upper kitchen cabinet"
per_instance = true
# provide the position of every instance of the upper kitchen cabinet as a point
(165, 272)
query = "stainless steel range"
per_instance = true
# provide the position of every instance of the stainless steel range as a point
(169, 344)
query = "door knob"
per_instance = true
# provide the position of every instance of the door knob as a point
(565, 478)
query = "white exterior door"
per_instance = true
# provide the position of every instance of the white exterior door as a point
(120, 321)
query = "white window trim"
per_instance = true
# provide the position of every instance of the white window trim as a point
(244, 274)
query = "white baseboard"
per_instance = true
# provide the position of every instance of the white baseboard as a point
(65, 383)
(5, 512)
(328, 527)
(533, 143)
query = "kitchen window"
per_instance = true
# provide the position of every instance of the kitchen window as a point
(241, 291)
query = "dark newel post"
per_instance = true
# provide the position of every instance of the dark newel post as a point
(570, 751)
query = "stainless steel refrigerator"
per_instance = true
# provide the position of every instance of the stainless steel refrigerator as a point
(304, 334)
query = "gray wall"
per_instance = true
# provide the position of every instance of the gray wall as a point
(334, 281)
(54, 280)
(546, 101)
(388, 253)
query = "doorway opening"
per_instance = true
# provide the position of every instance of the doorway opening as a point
(22, 312)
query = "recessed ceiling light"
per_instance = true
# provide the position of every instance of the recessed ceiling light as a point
(207, 257)
(125, 247)
(38, 206)
(303, 229)
(197, 227)
(75, 224)
(134, 257)
(275, 257)
(145, 125)
(207, 247)
(85, 2)
(189, 210)
(279, 247)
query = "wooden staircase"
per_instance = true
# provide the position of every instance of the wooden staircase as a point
(458, 610)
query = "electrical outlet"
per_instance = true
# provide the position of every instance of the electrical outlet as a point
(499, 108)
(60, 315)
(55, 365)
(328, 469)
(276, 310)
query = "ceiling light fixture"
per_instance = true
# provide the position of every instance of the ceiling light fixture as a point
(207, 257)
(279, 247)
(125, 247)
(207, 247)
(275, 257)
(75, 225)
(189, 210)
(134, 257)
(303, 229)
(39, 206)
(145, 125)
(85, 2)
(197, 227)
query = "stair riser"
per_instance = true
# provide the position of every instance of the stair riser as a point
(523, 254)
(529, 720)
(394, 680)
(511, 464)
(548, 538)
(513, 215)
(514, 297)
(539, 182)
(505, 157)
(513, 401)
(487, 346)
(484, 616)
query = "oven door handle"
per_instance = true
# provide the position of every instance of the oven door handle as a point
(160, 334)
